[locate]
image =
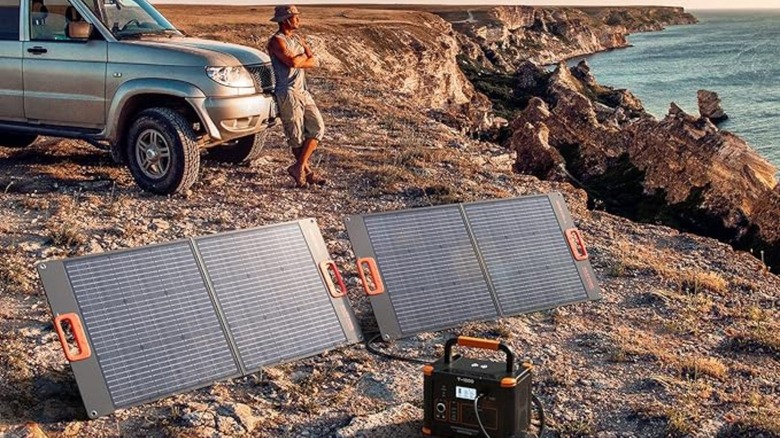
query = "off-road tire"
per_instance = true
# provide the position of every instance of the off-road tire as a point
(181, 170)
(244, 150)
(117, 152)
(16, 140)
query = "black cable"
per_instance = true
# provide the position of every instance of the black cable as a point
(372, 350)
(540, 411)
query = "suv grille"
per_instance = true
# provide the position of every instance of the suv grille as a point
(263, 75)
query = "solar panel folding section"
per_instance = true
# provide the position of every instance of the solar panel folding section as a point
(435, 268)
(150, 322)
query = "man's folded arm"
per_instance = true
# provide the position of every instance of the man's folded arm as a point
(278, 48)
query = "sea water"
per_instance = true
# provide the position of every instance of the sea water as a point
(734, 53)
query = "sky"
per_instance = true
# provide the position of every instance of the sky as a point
(688, 4)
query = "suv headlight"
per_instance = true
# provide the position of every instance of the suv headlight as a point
(237, 77)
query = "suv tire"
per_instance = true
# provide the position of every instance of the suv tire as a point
(244, 150)
(162, 151)
(16, 140)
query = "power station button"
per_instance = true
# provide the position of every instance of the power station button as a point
(441, 407)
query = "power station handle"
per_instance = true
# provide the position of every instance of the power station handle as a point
(576, 244)
(484, 344)
(330, 265)
(79, 337)
(379, 287)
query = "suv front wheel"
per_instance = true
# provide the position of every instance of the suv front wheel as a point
(16, 140)
(162, 154)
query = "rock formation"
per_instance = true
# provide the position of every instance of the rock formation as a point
(710, 106)
(682, 170)
(503, 37)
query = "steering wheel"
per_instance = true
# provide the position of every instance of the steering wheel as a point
(126, 25)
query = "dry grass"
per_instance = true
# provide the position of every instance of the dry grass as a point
(36, 204)
(66, 234)
(584, 427)
(643, 258)
(440, 194)
(699, 281)
(696, 367)
(16, 273)
(388, 176)
(679, 420)
(757, 422)
(633, 345)
(419, 156)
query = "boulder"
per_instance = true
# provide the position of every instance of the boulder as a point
(530, 76)
(535, 156)
(710, 107)
(582, 72)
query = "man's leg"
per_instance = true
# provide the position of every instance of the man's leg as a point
(291, 111)
(309, 145)
(313, 130)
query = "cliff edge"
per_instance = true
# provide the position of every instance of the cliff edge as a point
(681, 171)
(501, 38)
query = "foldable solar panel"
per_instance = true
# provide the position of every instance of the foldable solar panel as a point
(154, 321)
(434, 268)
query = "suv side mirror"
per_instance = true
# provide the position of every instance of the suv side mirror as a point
(79, 30)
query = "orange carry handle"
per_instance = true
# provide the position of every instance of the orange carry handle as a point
(576, 244)
(330, 265)
(485, 344)
(78, 335)
(373, 271)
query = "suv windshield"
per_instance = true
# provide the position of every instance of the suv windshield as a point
(130, 18)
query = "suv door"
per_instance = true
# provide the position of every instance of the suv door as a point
(64, 79)
(11, 87)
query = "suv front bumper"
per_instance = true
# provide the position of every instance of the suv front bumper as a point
(229, 118)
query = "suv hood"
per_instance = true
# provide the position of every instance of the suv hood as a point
(217, 53)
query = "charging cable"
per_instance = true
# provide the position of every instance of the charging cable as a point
(479, 418)
(534, 399)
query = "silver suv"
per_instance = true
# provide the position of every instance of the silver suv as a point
(116, 73)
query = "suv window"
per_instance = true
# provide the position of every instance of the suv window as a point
(130, 18)
(9, 20)
(49, 19)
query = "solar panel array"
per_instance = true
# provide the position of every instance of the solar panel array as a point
(173, 317)
(442, 266)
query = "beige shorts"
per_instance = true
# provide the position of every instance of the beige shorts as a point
(300, 116)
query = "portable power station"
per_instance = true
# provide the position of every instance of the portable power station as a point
(467, 397)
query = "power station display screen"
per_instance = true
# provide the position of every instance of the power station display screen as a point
(465, 393)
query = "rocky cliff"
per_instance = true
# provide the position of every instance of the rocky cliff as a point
(501, 38)
(681, 170)
(411, 56)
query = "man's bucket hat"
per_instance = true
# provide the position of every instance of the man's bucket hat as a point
(282, 13)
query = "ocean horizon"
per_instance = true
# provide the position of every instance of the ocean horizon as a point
(732, 52)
